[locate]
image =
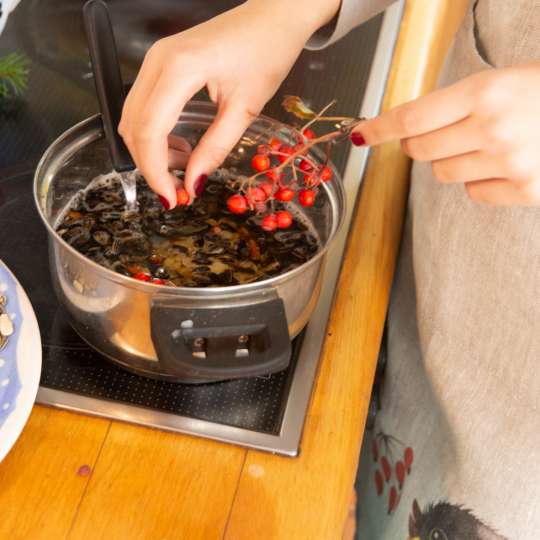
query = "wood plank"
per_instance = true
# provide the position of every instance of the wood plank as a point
(150, 484)
(40, 487)
(307, 498)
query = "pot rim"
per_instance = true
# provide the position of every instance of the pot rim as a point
(189, 291)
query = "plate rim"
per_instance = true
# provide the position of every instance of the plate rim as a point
(29, 379)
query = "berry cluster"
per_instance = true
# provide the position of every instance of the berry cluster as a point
(391, 473)
(285, 171)
(282, 172)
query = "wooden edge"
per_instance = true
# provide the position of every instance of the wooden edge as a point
(308, 497)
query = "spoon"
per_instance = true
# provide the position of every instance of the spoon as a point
(110, 92)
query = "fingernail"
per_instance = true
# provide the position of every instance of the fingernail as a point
(357, 139)
(199, 184)
(164, 202)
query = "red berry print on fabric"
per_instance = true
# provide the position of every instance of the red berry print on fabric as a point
(394, 460)
(393, 499)
(379, 482)
(408, 457)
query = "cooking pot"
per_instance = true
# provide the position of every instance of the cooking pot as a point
(178, 333)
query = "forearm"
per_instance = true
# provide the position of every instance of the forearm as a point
(302, 16)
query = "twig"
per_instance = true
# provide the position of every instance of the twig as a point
(318, 115)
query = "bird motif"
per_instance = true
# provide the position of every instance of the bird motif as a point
(445, 521)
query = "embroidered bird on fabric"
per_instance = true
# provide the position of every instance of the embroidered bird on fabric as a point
(445, 521)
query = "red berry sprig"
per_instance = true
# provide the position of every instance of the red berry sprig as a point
(285, 170)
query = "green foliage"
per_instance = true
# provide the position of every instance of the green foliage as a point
(14, 70)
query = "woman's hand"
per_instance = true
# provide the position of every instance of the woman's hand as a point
(483, 131)
(241, 57)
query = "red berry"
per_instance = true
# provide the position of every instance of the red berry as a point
(311, 180)
(274, 144)
(256, 195)
(273, 174)
(269, 223)
(408, 458)
(375, 450)
(267, 188)
(141, 276)
(237, 204)
(379, 482)
(182, 197)
(400, 473)
(308, 134)
(305, 166)
(393, 499)
(260, 162)
(306, 197)
(287, 150)
(387, 470)
(284, 219)
(157, 281)
(326, 174)
(284, 194)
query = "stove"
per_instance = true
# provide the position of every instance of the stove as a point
(267, 412)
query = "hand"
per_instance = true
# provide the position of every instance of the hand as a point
(241, 57)
(483, 131)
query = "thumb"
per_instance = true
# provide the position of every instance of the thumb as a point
(228, 127)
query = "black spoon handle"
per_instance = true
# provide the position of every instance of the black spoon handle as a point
(107, 77)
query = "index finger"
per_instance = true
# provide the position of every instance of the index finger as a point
(154, 123)
(427, 113)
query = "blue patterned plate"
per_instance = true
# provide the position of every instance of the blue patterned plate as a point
(20, 359)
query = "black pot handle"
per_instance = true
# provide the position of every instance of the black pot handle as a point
(196, 344)
(107, 78)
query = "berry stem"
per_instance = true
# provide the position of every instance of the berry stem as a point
(318, 115)
(295, 173)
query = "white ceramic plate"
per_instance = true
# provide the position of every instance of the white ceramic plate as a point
(20, 359)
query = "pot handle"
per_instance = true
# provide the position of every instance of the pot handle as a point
(203, 344)
(108, 80)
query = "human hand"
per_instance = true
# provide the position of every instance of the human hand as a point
(241, 56)
(483, 130)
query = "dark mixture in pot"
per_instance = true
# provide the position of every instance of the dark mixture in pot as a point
(201, 245)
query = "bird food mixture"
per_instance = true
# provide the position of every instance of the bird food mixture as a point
(200, 245)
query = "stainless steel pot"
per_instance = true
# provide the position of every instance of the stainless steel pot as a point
(179, 334)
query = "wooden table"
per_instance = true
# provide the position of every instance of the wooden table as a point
(71, 476)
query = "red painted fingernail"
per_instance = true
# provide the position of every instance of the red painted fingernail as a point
(199, 184)
(164, 202)
(357, 139)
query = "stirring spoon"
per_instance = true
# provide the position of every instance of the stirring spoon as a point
(110, 92)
